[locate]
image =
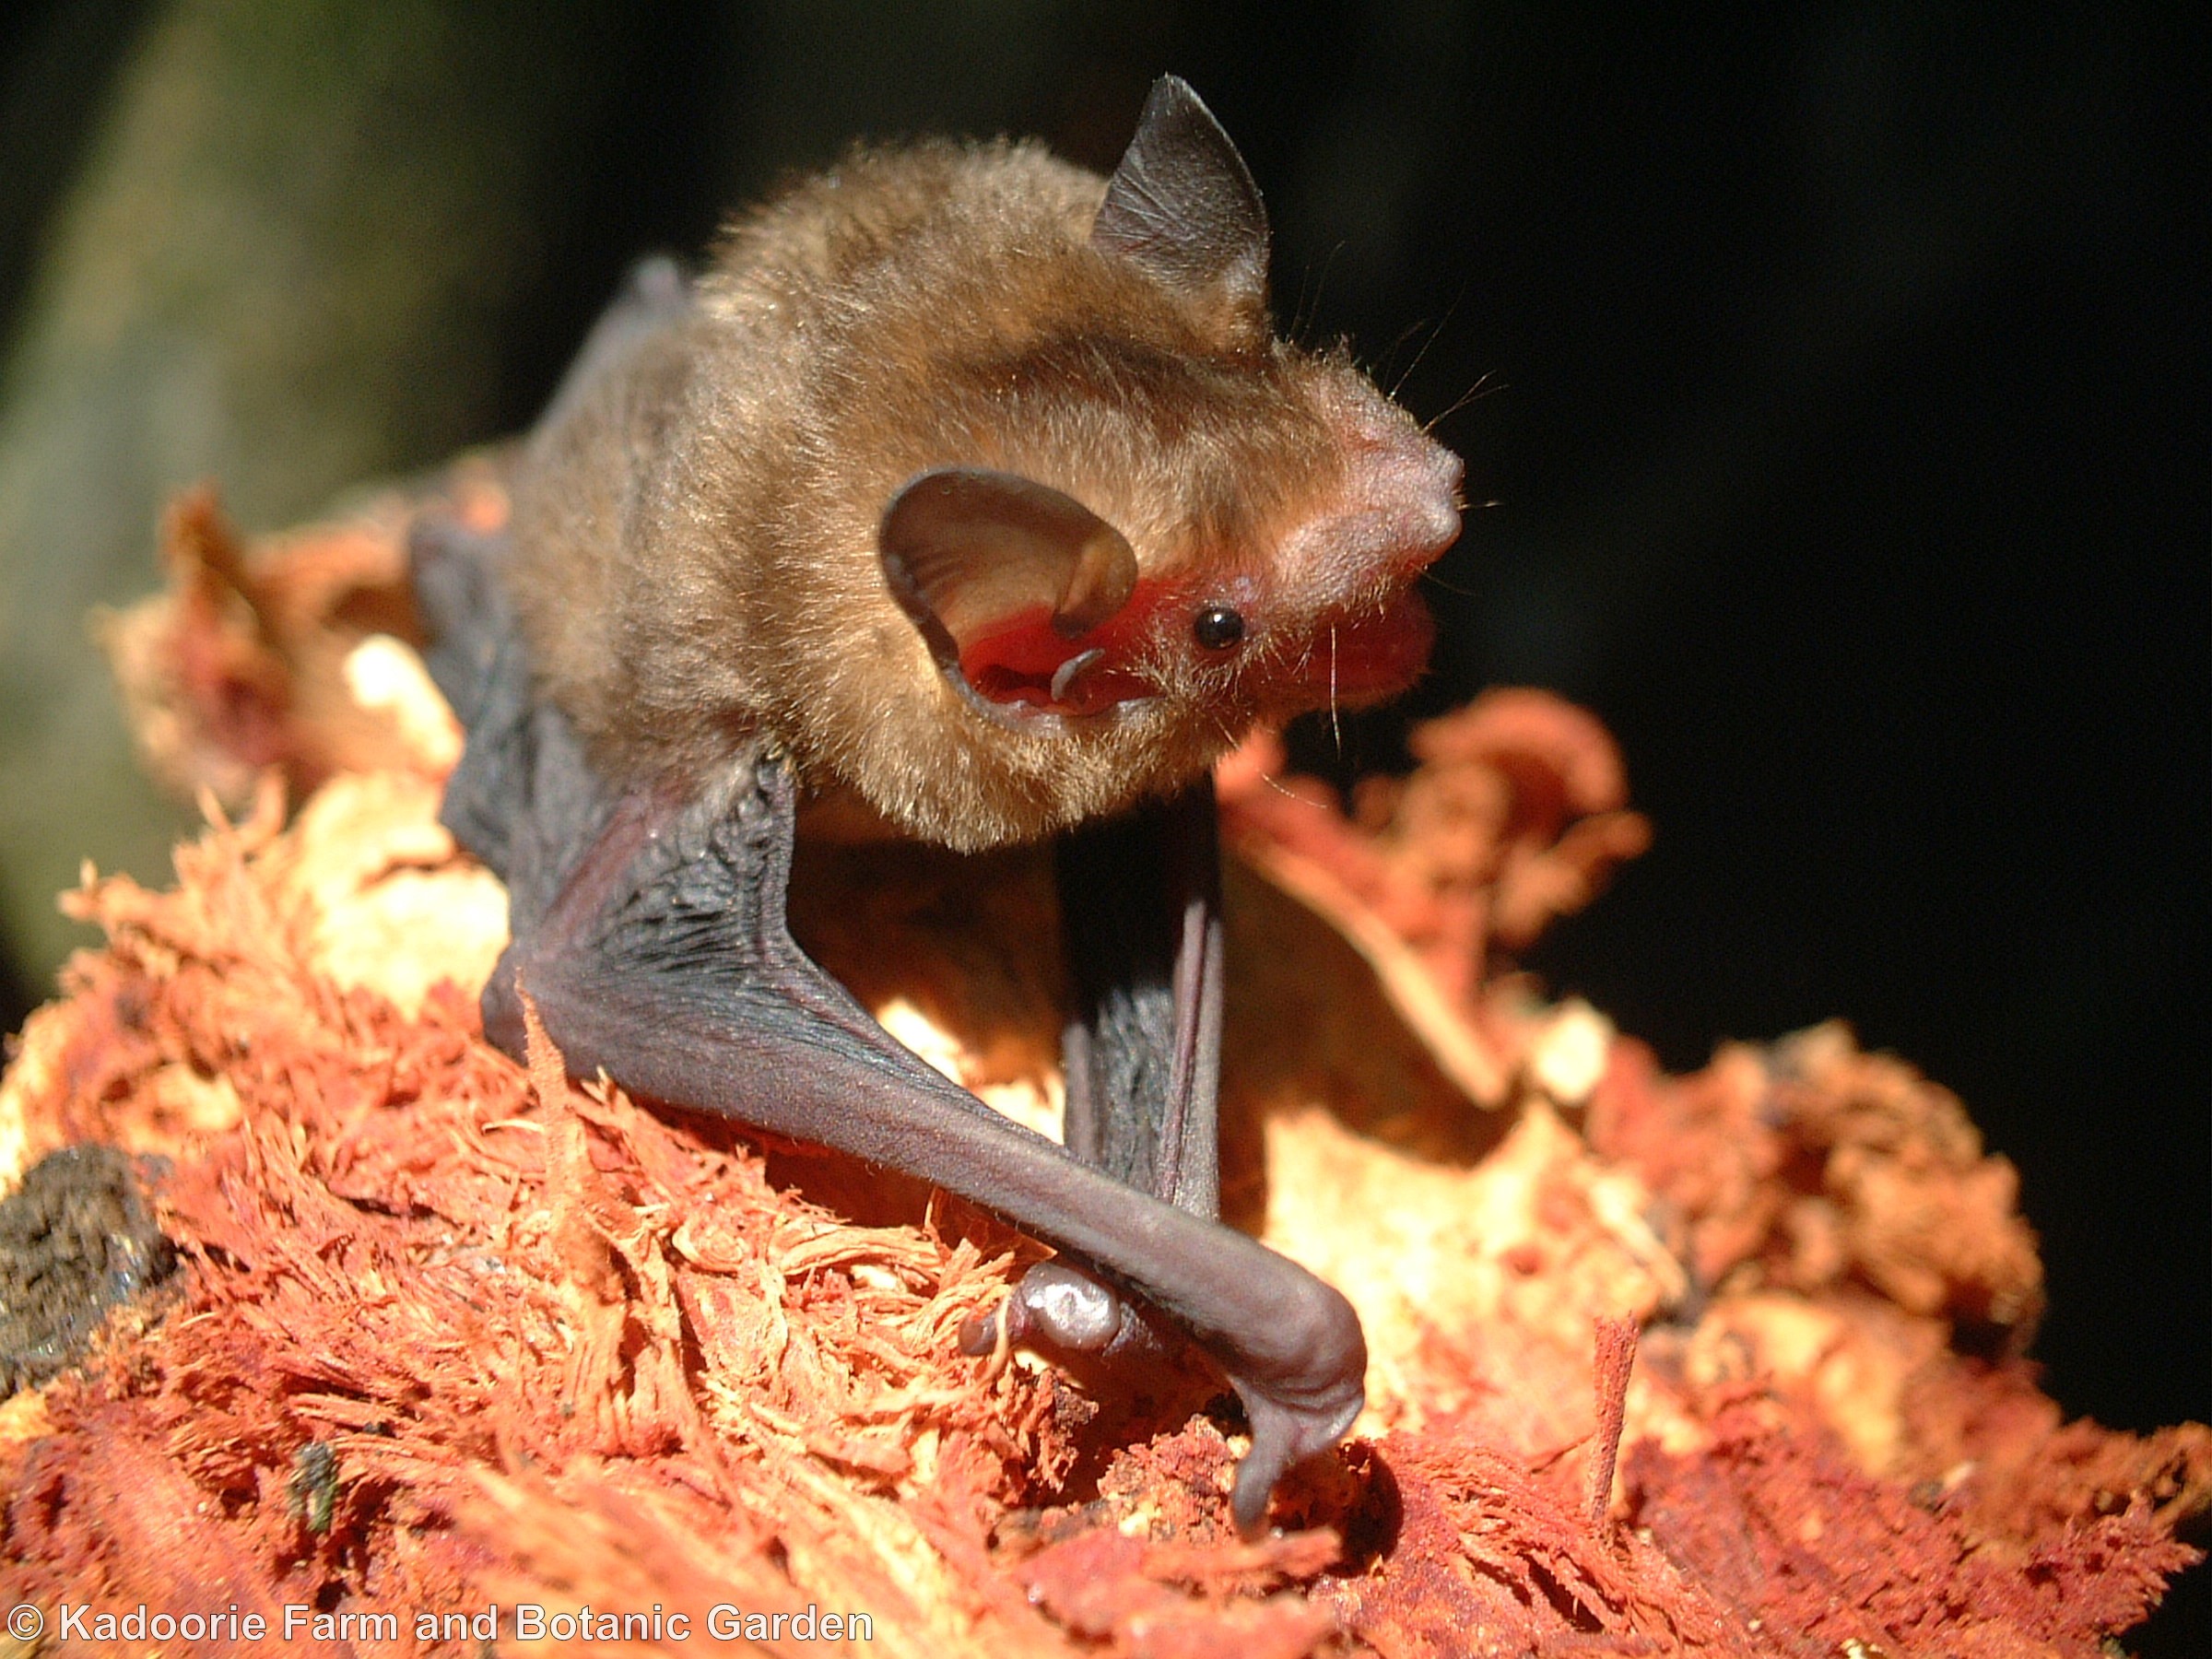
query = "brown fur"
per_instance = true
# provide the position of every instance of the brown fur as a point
(696, 555)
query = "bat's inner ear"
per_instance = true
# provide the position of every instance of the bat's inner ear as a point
(1005, 577)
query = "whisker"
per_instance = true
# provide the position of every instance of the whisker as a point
(1481, 388)
(1336, 723)
(1309, 307)
(1435, 335)
(1267, 778)
(1395, 345)
(1228, 734)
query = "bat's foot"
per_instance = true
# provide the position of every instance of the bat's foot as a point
(1069, 1315)
(1282, 1437)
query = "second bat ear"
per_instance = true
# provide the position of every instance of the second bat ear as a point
(965, 548)
(1182, 205)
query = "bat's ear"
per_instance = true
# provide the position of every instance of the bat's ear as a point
(966, 550)
(1182, 205)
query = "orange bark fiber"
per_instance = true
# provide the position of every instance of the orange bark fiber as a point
(451, 1332)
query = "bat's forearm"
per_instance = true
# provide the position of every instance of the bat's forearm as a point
(664, 960)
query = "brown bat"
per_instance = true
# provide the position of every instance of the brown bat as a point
(968, 497)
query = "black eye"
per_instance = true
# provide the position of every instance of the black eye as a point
(1218, 627)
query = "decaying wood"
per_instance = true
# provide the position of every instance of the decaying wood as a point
(450, 1331)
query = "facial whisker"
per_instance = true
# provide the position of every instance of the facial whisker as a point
(1435, 335)
(1336, 725)
(1309, 307)
(1481, 388)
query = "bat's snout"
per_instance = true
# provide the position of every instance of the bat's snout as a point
(1409, 486)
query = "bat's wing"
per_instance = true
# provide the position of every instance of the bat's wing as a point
(649, 930)
(474, 656)
(654, 295)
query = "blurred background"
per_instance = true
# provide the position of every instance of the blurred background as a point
(1831, 381)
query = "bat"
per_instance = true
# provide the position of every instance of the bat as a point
(967, 497)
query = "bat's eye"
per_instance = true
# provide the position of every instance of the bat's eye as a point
(1218, 627)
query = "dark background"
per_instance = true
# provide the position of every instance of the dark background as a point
(1833, 383)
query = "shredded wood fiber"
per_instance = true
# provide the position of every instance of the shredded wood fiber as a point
(450, 1331)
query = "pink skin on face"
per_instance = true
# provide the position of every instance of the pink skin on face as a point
(1362, 642)
(1358, 660)
(1328, 617)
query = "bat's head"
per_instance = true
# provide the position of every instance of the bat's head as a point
(1127, 522)
(1283, 583)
